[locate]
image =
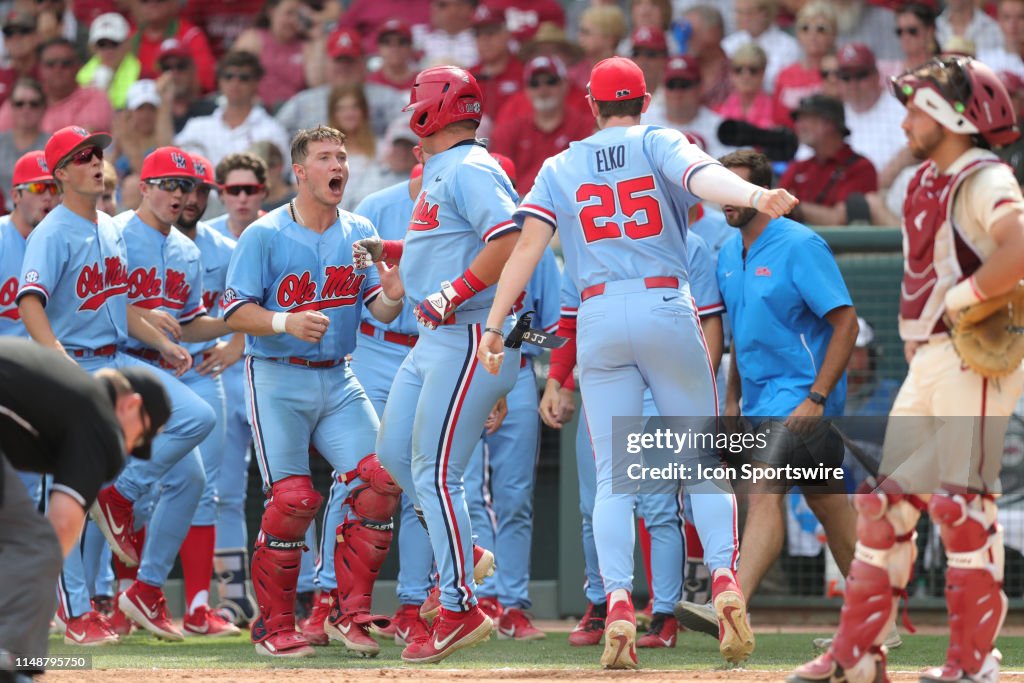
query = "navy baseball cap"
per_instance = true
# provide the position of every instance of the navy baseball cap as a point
(154, 400)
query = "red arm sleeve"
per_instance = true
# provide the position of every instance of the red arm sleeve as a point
(563, 360)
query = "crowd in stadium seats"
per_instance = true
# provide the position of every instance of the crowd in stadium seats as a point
(219, 77)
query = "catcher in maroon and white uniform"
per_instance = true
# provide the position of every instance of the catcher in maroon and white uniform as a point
(963, 242)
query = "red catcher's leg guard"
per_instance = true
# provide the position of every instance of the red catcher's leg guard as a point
(885, 555)
(290, 510)
(974, 580)
(363, 540)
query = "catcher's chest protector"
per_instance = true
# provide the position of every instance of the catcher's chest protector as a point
(937, 253)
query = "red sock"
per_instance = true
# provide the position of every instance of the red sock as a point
(197, 561)
(694, 548)
(645, 548)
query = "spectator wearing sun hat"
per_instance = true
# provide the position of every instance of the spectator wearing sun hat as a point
(112, 67)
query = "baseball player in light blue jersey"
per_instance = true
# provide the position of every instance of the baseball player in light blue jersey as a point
(73, 298)
(231, 560)
(380, 350)
(501, 475)
(620, 198)
(293, 290)
(211, 359)
(34, 194)
(459, 238)
(165, 276)
(714, 509)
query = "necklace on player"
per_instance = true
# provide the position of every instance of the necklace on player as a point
(297, 217)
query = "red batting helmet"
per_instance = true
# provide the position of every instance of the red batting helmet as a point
(963, 95)
(443, 95)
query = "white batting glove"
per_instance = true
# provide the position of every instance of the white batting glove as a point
(366, 252)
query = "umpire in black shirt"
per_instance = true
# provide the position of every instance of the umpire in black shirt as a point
(57, 419)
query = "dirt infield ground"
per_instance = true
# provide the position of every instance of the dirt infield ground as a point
(366, 675)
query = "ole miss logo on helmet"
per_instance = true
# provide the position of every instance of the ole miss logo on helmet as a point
(341, 287)
(8, 294)
(424, 214)
(147, 290)
(95, 285)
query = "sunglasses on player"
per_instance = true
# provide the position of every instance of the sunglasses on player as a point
(250, 190)
(186, 185)
(39, 188)
(84, 156)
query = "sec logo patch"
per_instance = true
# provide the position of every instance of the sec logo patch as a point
(32, 276)
(230, 295)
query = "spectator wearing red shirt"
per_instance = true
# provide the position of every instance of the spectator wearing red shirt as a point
(281, 39)
(20, 44)
(499, 73)
(157, 20)
(222, 20)
(364, 17)
(816, 30)
(529, 140)
(831, 185)
(748, 101)
(67, 104)
(524, 17)
(397, 67)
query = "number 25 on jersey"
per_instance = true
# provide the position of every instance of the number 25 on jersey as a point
(628, 196)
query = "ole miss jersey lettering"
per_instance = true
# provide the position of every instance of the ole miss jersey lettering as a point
(12, 251)
(341, 287)
(424, 215)
(146, 289)
(280, 265)
(96, 284)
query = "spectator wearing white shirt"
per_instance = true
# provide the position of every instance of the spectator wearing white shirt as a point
(755, 21)
(873, 115)
(683, 109)
(1010, 15)
(862, 22)
(240, 121)
(963, 19)
(449, 39)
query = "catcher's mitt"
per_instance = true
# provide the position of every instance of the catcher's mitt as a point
(989, 336)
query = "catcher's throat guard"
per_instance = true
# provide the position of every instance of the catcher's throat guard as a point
(522, 332)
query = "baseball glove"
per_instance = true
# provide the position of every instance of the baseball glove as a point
(989, 336)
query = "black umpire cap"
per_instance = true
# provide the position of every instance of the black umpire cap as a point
(154, 399)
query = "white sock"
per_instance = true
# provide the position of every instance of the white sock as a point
(617, 595)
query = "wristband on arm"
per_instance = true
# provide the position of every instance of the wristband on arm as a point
(466, 286)
(563, 359)
(391, 251)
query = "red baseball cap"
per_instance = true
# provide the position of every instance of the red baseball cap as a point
(856, 56)
(488, 16)
(649, 38)
(685, 67)
(204, 170)
(395, 26)
(31, 168)
(167, 162)
(172, 47)
(344, 42)
(544, 65)
(507, 165)
(70, 139)
(616, 78)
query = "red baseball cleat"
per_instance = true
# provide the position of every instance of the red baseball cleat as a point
(491, 607)
(483, 566)
(410, 627)
(620, 637)
(590, 628)
(661, 633)
(282, 643)
(312, 627)
(121, 624)
(645, 616)
(515, 624)
(91, 630)
(450, 632)
(205, 622)
(735, 637)
(147, 607)
(113, 515)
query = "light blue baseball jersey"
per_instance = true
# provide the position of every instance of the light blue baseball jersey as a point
(619, 200)
(220, 224)
(80, 270)
(164, 273)
(389, 211)
(215, 251)
(12, 250)
(466, 200)
(540, 296)
(282, 266)
(703, 281)
(777, 295)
